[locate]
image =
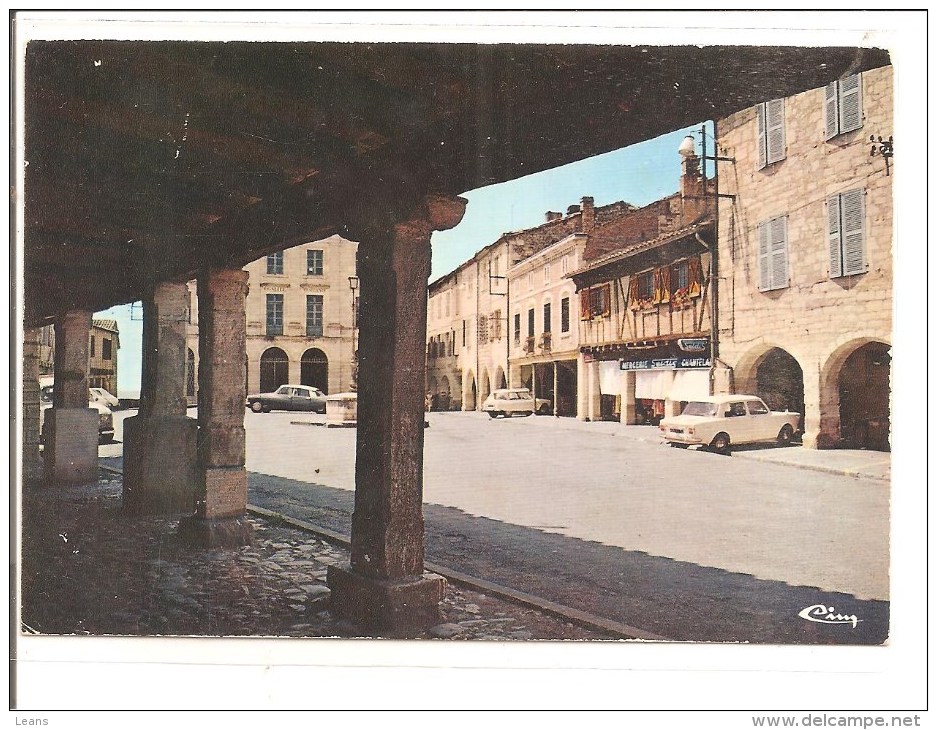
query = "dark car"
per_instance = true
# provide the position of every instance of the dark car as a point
(288, 398)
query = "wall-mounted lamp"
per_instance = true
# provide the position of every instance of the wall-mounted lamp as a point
(883, 147)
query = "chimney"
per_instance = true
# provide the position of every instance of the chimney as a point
(691, 180)
(553, 215)
(572, 209)
(588, 214)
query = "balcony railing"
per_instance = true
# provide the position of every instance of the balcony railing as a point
(546, 341)
(530, 345)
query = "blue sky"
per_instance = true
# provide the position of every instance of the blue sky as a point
(638, 174)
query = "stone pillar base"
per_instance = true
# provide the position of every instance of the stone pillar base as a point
(160, 475)
(225, 494)
(231, 532)
(398, 608)
(71, 445)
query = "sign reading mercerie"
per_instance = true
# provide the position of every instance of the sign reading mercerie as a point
(667, 363)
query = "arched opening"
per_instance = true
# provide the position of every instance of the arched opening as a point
(274, 369)
(779, 381)
(189, 373)
(314, 369)
(469, 394)
(445, 394)
(500, 379)
(864, 387)
(486, 386)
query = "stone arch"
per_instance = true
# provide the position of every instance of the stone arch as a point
(314, 369)
(855, 389)
(445, 394)
(469, 392)
(485, 386)
(745, 372)
(500, 380)
(274, 369)
(190, 377)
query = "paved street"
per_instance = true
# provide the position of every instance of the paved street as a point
(603, 518)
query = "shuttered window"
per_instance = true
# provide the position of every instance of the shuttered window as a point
(846, 233)
(772, 144)
(564, 314)
(843, 106)
(772, 254)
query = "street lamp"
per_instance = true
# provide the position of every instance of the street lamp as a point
(353, 285)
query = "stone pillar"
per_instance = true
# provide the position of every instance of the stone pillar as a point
(582, 388)
(594, 404)
(70, 429)
(821, 411)
(384, 588)
(160, 442)
(221, 490)
(32, 459)
(294, 371)
(629, 410)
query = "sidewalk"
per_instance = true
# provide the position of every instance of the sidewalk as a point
(88, 568)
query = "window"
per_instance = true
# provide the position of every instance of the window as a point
(313, 315)
(846, 233)
(274, 314)
(447, 303)
(599, 300)
(565, 263)
(315, 259)
(679, 277)
(547, 318)
(756, 408)
(275, 263)
(546, 273)
(92, 345)
(463, 332)
(530, 322)
(564, 314)
(517, 328)
(482, 328)
(106, 348)
(771, 142)
(645, 287)
(843, 106)
(496, 325)
(772, 254)
(530, 280)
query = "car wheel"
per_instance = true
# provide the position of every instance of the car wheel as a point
(266, 409)
(544, 410)
(256, 406)
(720, 444)
(493, 414)
(675, 445)
(785, 435)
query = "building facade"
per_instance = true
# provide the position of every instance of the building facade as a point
(300, 311)
(805, 248)
(645, 307)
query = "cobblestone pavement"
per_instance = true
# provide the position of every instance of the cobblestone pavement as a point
(90, 569)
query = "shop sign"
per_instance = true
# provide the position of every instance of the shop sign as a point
(693, 344)
(667, 363)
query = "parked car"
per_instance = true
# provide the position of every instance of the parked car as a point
(720, 420)
(508, 401)
(100, 395)
(105, 417)
(288, 398)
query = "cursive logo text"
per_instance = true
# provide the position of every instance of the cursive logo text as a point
(820, 614)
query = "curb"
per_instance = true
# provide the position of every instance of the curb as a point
(574, 616)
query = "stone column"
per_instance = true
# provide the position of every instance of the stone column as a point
(32, 459)
(594, 405)
(70, 429)
(221, 490)
(821, 411)
(384, 588)
(159, 442)
(629, 410)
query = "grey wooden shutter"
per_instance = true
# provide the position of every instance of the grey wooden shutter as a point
(762, 137)
(833, 237)
(774, 125)
(831, 110)
(853, 212)
(764, 269)
(778, 234)
(850, 104)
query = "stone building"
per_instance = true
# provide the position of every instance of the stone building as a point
(645, 290)
(300, 319)
(805, 246)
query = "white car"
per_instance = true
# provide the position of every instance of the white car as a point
(100, 395)
(508, 401)
(720, 420)
(105, 417)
